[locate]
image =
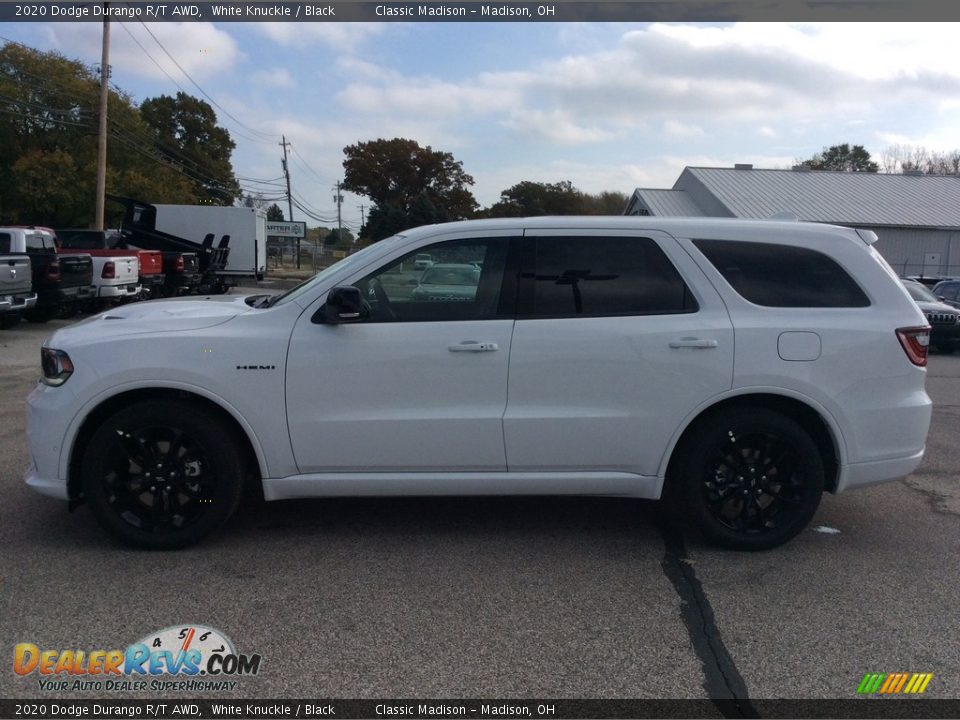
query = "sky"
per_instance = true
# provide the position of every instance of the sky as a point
(607, 106)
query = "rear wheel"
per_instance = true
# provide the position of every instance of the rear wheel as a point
(9, 320)
(162, 474)
(750, 478)
(40, 315)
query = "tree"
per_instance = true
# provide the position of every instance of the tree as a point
(274, 213)
(48, 143)
(842, 157)
(335, 236)
(527, 199)
(186, 133)
(409, 184)
(915, 158)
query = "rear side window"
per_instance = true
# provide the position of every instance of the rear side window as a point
(783, 275)
(5, 241)
(576, 276)
(948, 291)
(34, 241)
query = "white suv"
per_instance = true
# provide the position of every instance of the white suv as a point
(740, 367)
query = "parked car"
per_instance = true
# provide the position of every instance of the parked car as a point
(16, 287)
(422, 261)
(448, 281)
(944, 319)
(736, 368)
(63, 283)
(948, 291)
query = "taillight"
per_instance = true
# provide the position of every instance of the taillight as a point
(180, 266)
(53, 271)
(915, 342)
(109, 271)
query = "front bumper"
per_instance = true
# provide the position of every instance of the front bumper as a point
(45, 486)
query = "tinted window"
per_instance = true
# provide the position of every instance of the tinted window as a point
(463, 282)
(948, 291)
(34, 241)
(605, 276)
(783, 275)
(5, 240)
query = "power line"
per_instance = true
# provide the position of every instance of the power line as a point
(265, 137)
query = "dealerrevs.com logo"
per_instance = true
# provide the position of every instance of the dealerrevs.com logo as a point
(181, 657)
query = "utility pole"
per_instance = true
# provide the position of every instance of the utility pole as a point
(102, 138)
(286, 174)
(338, 199)
(363, 219)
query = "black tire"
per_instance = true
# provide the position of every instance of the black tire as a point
(748, 478)
(9, 320)
(194, 454)
(40, 315)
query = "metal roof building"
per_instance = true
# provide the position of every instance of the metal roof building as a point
(917, 217)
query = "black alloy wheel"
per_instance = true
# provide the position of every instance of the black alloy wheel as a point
(162, 474)
(752, 478)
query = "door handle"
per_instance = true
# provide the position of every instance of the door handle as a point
(473, 346)
(691, 342)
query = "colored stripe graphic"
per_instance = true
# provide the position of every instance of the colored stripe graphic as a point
(894, 683)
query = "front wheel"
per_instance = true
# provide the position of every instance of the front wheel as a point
(750, 478)
(162, 474)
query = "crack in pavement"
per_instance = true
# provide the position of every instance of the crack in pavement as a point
(722, 681)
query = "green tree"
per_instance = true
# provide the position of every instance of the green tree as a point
(186, 133)
(530, 199)
(274, 213)
(408, 184)
(844, 157)
(335, 236)
(48, 143)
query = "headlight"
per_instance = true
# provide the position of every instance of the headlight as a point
(57, 366)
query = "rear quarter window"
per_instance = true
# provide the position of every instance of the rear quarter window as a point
(5, 242)
(783, 275)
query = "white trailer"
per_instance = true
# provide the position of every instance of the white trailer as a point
(247, 228)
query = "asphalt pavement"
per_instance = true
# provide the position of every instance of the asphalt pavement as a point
(553, 598)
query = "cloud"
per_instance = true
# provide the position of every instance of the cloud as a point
(275, 78)
(345, 36)
(201, 49)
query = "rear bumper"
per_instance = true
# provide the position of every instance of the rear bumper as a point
(118, 291)
(15, 303)
(59, 296)
(872, 473)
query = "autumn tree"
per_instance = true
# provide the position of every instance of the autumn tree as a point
(410, 185)
(844, 157)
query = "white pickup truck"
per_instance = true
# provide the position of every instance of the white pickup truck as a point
(116, 273)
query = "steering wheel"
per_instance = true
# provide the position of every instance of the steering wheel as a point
(383, 302)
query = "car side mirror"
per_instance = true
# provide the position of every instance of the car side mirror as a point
(343, 305)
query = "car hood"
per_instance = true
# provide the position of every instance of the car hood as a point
(155, 316)
(928, 306)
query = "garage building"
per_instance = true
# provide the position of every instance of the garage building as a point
(916, 217)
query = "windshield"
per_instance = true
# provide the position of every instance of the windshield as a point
(356, 258)
(440, 275)
(919, 292)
